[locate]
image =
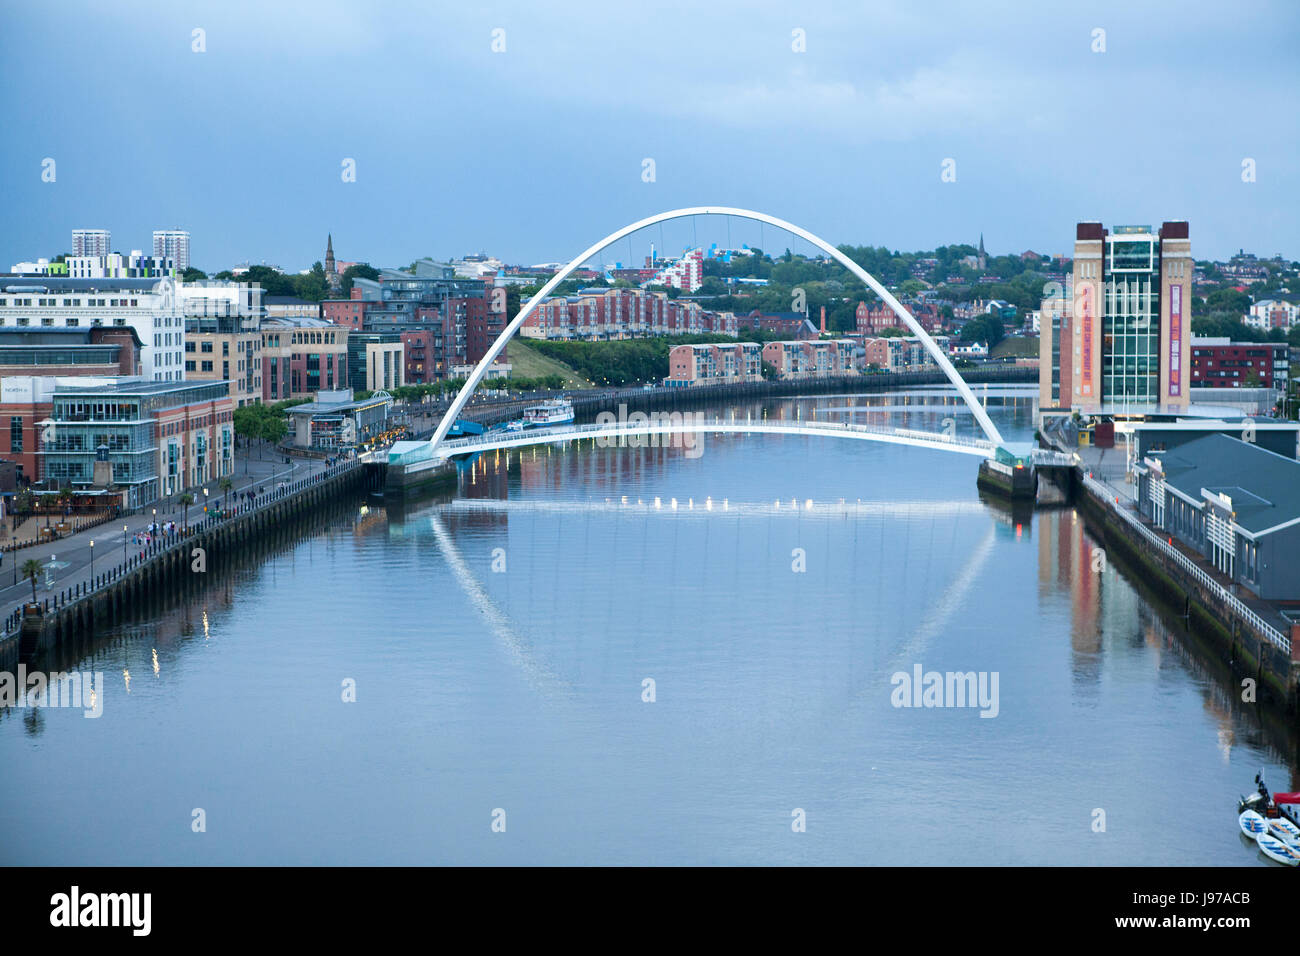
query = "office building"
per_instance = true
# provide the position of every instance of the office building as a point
(158, 438)
(223, 338)
(149, 306)
(375, 361)
(301, 356)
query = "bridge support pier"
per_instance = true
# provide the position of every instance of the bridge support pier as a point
(1017, 482)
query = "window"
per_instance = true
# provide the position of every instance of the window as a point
(207, 366)
(16, 434)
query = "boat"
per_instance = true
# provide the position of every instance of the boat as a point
(1288, 806)
(1252, 824)
(1284, 830)
(553, 411)
(461, 428)
(1275, 849)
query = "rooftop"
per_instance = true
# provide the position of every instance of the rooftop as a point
(13, 283)
(1263, 487)
(60, 337)
(134, 386)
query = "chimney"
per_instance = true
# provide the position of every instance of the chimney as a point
(823, 320)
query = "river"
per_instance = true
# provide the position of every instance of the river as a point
(552, 669)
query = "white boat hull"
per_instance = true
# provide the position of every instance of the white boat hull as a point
(1275, 849)
(1252, 824)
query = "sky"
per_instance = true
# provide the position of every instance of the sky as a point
(534, 150)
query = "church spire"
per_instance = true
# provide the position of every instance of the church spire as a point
(331, 271)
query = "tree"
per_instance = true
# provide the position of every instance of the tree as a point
(1228, 300)
(985, 328)
(193, 275)
(273, 429)
(313, 286)
(361, 270)
(31, 570)
(186, 500)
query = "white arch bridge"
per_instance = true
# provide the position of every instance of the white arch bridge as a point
(418, 455)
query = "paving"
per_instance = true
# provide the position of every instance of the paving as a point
(112, 544)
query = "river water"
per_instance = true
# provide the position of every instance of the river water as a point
(551, 669)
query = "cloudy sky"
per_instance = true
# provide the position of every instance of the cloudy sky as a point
(533, 153)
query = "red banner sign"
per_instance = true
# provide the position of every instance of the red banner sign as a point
(1175, 340)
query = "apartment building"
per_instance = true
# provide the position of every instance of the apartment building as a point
(811, 359)
(91, 242)
(1218, 362)
(714, 364)
(602, 314)
(173, 244)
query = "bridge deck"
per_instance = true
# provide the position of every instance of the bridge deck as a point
(414, 453)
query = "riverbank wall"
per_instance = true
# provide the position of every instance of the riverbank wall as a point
(58, 626)
(1250, 646)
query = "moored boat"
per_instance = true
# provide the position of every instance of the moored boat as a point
(1283, 829)
(1275, 849)
(553, 411)
(1252, 824)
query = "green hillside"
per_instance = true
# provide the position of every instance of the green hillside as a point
(527, 362)
(1015, 347)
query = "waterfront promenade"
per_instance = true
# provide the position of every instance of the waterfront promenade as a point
(113, 545)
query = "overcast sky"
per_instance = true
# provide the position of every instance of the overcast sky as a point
(533, 153)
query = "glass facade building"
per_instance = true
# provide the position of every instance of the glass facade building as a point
(128, 423)
(1117, 338)
(1131, 325)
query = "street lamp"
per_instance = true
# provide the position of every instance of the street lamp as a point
(92, 558)
(124, 543)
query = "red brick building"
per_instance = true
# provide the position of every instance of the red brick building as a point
(1222, 363)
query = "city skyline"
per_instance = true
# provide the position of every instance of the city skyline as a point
(451, 159)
